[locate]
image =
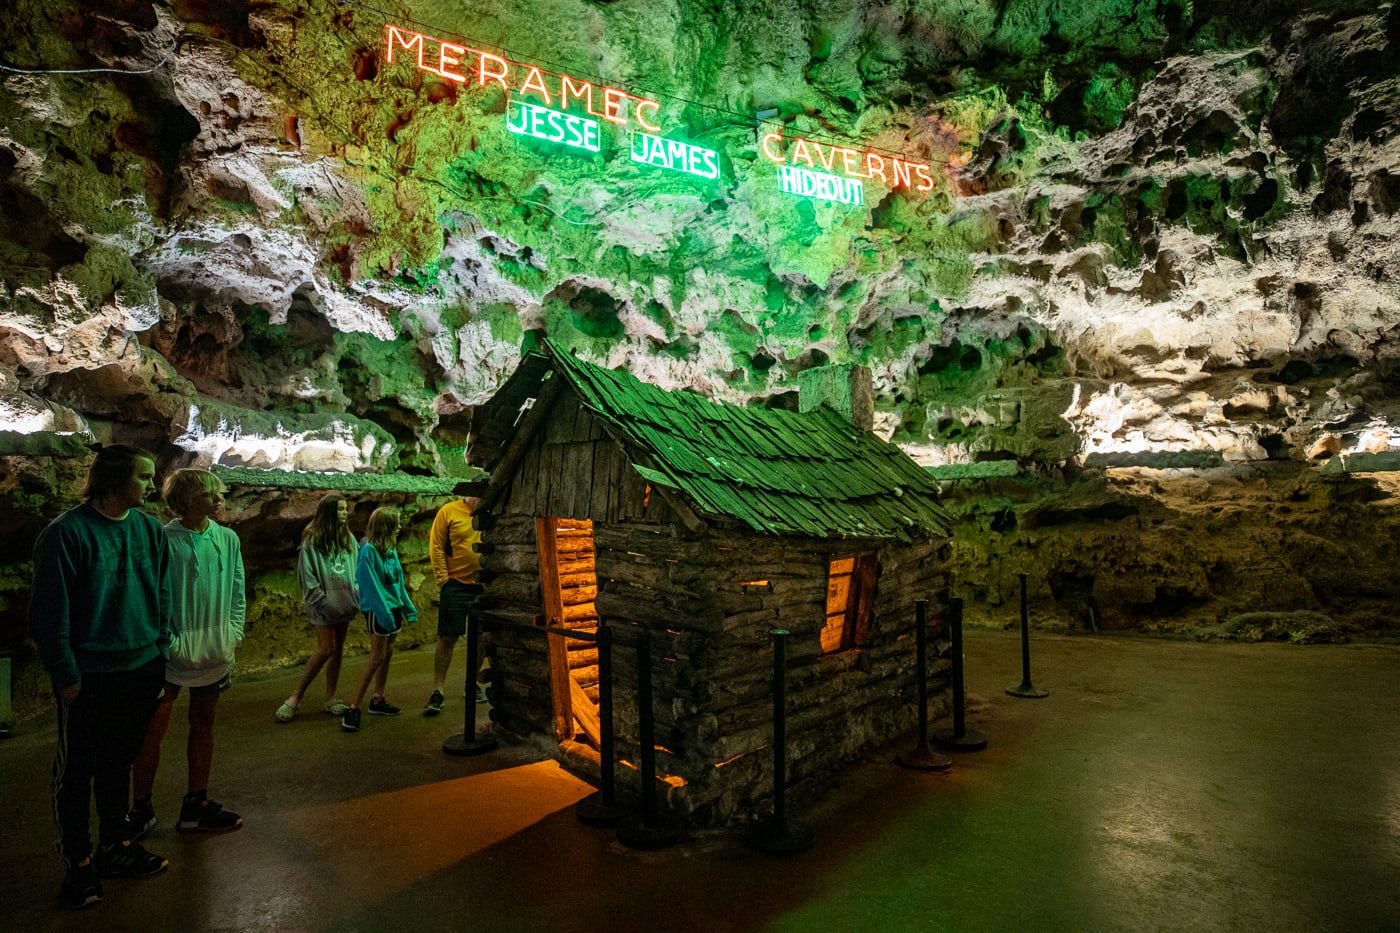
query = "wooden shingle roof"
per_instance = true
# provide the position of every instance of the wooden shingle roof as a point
(778, 472)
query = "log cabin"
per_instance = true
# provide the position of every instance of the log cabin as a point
(612, 502)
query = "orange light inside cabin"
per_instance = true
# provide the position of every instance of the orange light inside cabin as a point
(671, 780)
(729, 761)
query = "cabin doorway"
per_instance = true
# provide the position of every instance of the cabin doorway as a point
(569, 582)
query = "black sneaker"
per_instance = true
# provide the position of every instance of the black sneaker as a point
(379, 706)
(206, 816)
(81, 886)
(434, 704)
(141, 819)
(350, 722)
(127, 860)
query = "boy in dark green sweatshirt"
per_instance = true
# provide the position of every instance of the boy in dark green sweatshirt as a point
(100, 613)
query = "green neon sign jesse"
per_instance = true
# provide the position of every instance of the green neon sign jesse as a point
(553, 126)
(674, 155)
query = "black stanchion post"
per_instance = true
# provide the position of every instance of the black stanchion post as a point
(469, 742)
(922, 757)
(650, 831)
(959, 737)
(602, 809)
(779, 834)
(1026, 690)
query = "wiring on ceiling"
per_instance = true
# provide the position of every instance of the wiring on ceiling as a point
(88, 71)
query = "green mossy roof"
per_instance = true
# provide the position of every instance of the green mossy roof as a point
(779, 472)
(338, 482)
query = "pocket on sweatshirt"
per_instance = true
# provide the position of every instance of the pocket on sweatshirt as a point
(194, 651)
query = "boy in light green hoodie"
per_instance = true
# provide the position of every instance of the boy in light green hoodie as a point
(208, 614)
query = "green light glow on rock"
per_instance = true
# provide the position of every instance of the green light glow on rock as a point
(1109, 94)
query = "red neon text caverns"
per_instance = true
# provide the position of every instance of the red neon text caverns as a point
(462, 64)
(892, 171)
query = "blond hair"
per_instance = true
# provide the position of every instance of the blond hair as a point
(183, 485)
(383, 528)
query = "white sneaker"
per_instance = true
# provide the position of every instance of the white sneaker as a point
(287, 711)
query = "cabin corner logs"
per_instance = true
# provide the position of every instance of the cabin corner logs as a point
(574, 536)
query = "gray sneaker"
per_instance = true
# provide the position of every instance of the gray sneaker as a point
(378, 706)
(127, 860)
(141, 819)
(206, 816)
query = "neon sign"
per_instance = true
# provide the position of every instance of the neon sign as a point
(674, 155)
(461, 64)
(567, 110)
(526, 119)
(892, 172)
(820, 185)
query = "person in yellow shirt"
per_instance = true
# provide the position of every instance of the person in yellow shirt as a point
(455, 563)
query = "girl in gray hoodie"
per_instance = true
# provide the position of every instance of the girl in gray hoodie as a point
(326, 571)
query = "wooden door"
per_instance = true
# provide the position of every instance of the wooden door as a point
(570, 584)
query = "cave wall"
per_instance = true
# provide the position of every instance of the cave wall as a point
(236, 233)
(1277, 551)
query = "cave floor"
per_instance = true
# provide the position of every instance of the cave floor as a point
(1160, 786)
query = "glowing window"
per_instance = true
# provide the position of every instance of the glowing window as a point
(850, 595)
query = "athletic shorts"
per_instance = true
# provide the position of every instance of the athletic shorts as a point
(374, 628)
(454, 601)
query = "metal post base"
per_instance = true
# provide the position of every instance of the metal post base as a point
(635, 834)
(460, 744)
(593, 810)
(1027, 691)
(970, 741)
(780, 837)
(924, 758)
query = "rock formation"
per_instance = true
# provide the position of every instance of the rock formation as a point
(1144, 320)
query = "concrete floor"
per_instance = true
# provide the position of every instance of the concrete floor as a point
(1161, 786)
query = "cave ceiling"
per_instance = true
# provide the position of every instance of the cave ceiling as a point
(239, 229)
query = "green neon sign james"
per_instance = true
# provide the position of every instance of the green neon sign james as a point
(674, 155)
(525, 119)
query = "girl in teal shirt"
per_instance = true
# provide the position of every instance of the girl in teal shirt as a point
(386, 605)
